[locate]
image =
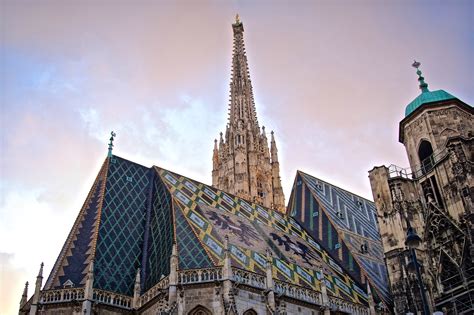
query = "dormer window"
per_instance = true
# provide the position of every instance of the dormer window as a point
(68, 284)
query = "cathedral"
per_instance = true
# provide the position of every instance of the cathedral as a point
(426, 211)
(150, 241)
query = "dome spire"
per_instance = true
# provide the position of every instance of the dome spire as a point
(421, 79)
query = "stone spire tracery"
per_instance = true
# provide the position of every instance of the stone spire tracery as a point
(243, 163)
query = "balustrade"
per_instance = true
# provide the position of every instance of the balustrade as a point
(62, 295)
(110, 298)
(344, 306)
(154, 291)
(200, 275)
(248, 278)
(298, 292)
(77, 294)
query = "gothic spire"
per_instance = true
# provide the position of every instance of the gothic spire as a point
(36, 296)
(24, 297)
(273, 149)
(242, 104)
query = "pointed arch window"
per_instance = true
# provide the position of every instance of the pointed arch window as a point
(199, 310)
(250, 312)
(425, 155)
(450, 275)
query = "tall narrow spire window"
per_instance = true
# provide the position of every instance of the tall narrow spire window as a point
(425, 153)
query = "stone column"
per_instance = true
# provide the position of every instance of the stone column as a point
(370, 300)
(324, 295)
(227, 271)
(217, 306)
(269, 282)
(88, 290)
(173, 277)
(136, 290)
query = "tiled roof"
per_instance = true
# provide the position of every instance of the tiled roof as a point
(134, 214)
(343, 223)
(427, 97)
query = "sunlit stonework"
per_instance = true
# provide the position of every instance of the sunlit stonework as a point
(434, 197)
(242, 162)
(150, 241)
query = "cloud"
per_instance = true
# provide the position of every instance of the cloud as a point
(11, 288)
(332, 80)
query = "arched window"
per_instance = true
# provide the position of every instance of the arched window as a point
(250, 312)
(450, 277)
(425, 152)
(199, 310)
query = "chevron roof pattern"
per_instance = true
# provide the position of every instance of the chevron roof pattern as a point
(346, 226)
(134, 214)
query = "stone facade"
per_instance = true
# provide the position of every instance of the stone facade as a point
(434, 196)
(221, 290)
(243, 164)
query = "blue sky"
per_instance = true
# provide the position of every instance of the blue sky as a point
(331, 78)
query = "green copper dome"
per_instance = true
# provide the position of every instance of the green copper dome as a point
(427, 97)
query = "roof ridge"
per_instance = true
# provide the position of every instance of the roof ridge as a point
(343, 189)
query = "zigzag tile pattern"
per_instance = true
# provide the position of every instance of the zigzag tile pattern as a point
(353, 218)
(76, 253)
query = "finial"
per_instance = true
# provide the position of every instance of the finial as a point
(25, 290)
(24, 296)
(111, 143)
(421, 79)
(226, 242)
(237, 19)
(137, 276)
(268, 255)
(40, 274)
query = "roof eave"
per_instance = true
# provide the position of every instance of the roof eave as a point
(431, 105)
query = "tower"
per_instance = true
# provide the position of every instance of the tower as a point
(434, 197)
(243, 163)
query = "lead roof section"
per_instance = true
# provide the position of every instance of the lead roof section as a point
(345, 224)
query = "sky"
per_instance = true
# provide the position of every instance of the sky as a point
(331, 78)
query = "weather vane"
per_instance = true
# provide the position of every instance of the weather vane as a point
(111, 143)
(237, 19)
(421, 79)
